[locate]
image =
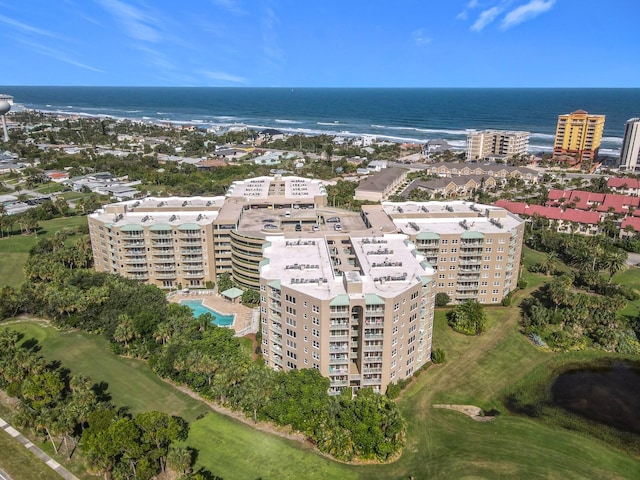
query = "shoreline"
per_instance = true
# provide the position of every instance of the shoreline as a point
(611, 145)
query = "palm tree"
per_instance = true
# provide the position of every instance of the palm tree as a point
(614, 261)
(550, 263)
(124, 332)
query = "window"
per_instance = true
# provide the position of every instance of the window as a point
(488, 240)
(452, 259)
(496, 283)
(487, 250)
(315, 355)
(290, 298)
(494, 300)
(414, 295)
(316, 344)
(482, 292)
(305, 304)
(315, 332)
(487, 258)
(315, 309)
(444, 242)
(443, 250)
(452, 275)
(486, 267)
(501, 240)
(452, 267)
(499, 258)
(394, 352)
(495, 291)
(484, 284)
(440, 284)
(500, 249)
(315, 321)
(291, 333)
(497, 275)
(291, 321)
(443, 259)
(441, 275)
(454, 250)
(395, 329)
(291, 343)
(485, 275)
(396, 307)
(451, 284)
(290, 310)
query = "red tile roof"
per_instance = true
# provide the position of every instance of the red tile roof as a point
(552, 213)
(631, 221)
(615, 182)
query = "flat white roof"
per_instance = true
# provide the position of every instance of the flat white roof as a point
(388, 265)
(294, 187)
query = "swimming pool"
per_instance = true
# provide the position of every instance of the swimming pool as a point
(200, 309)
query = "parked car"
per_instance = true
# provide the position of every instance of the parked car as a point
(333, 220)
(337, 227)
(298, 227)
(315, 228)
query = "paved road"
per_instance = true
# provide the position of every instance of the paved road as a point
(50, 462)
(4, 476)
(633, 259)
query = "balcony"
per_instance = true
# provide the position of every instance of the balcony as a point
(193, 274)
(166, 275)
(372, 370)
(372, 348)
(136, 259)
(139, 268)
(275, 328)
(371, 381)
(159, 236)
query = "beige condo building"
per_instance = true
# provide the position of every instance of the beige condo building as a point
(488, 144)
(358, 307)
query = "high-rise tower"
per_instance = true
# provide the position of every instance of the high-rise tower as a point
(630, 153)
(579, 134)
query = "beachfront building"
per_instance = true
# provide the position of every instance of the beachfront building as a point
(630, 153)
(578, 135)
(492, 144)
(475, 249)
(358, 307)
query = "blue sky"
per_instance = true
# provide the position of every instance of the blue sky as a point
(321, 43)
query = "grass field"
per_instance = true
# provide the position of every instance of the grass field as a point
(14, 250)
(631, 278)
(20, 463)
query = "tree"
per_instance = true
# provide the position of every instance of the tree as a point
(614, 261)
(468, 318)
(442, 299)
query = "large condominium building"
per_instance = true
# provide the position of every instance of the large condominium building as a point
(357, 307)
(475, 249)
(189, 241)
(579, 134)
(630, 153)
(496, 144)
(348, 293)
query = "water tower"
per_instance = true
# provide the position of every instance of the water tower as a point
(5, 106)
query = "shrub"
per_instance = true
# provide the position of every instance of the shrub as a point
(438, 356)
(442, 299)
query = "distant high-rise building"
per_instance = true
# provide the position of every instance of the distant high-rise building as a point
(630, 153)
(579, 134)
(496, 143)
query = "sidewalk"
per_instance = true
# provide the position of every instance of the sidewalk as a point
(51, 463)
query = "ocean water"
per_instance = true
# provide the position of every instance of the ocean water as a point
(396, 114)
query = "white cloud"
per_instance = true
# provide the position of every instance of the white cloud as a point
(224, 77)
(24, 28)
(231, 6)
(526, 12)
(465, 13)
(137, 23)
(420, 37)
(485, 18)
(57, 54)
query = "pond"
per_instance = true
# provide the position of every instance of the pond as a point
(607, 395)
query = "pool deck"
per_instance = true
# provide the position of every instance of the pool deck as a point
(245, 319)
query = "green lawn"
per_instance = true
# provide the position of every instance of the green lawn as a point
(14, 250)
(19, 463)
(130, 382)
(631, 278)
